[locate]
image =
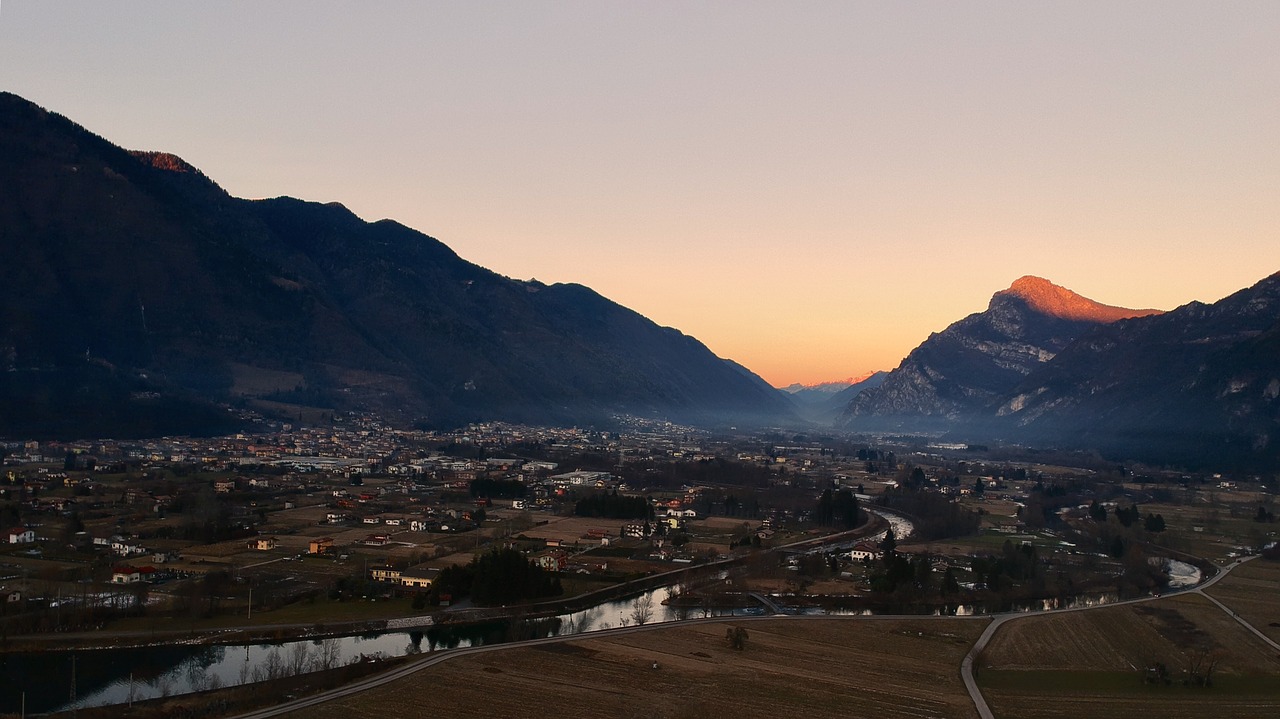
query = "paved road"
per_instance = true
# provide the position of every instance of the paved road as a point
(1237, 617)
(966, 667)
(435, 658)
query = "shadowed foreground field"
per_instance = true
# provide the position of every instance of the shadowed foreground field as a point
(1095, 663)
(813, 668)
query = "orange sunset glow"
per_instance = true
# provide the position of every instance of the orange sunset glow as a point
(810, 190)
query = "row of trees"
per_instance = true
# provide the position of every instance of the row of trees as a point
(838, 509)
(500, 576)
(613, 506)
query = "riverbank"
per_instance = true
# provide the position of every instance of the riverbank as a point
(280, 632)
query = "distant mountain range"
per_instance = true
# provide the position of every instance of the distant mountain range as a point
(823, 403)
(1043, 366)
(137, 293)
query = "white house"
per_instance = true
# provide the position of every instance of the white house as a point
(21, 535)
(864, 550)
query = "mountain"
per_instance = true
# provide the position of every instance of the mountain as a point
(823, 403)
(957, 373)
(137, 291)
(826, 388)
(1197, 385)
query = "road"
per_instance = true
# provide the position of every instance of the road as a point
(966, 666)
(435, 658)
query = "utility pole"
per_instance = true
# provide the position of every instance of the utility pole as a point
(250, 602)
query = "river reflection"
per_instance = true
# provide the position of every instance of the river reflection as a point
(106, 677)
(117, 676)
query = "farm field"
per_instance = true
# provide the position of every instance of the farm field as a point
(1095, 663)
(1220, 530)
(1108, 695)
(1128, 638)
(1253, 592)
(814, 668)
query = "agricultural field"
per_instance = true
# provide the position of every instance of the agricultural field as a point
(1104, 695)
(1216, 526)
(808, 667)
(1106, 662)
(1253, 591)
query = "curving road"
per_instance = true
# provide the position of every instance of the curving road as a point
(966, 666)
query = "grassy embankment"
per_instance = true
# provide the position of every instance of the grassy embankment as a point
(814, 668)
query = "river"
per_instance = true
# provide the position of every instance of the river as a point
(116, 676)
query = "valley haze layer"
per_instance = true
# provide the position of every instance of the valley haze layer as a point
(141, 299)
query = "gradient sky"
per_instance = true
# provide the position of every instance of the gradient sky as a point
(808, 188)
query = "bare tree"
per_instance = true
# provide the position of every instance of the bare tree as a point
(642, 612)
(328, 651)
(299, 658)
(273, 667)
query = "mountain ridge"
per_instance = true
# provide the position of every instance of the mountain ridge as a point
(1051, 299)
(957, 372)
(1198, 383)
(138, 261)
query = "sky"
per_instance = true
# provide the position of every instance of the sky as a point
(810, 189)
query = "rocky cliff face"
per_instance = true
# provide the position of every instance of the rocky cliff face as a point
(971, 364)
(1198, 384)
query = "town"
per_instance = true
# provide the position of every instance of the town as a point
(356, 521)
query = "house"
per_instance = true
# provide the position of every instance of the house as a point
(418, 577)
(864, 551)
(376, 540)
(390, 575)
(320, 546)
(130, 575)
(21, 535)
(124, 548)
(263, 544)
(555, 561)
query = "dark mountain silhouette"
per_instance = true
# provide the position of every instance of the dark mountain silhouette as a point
(957, 373)
(1197, 385)
(133, 281)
